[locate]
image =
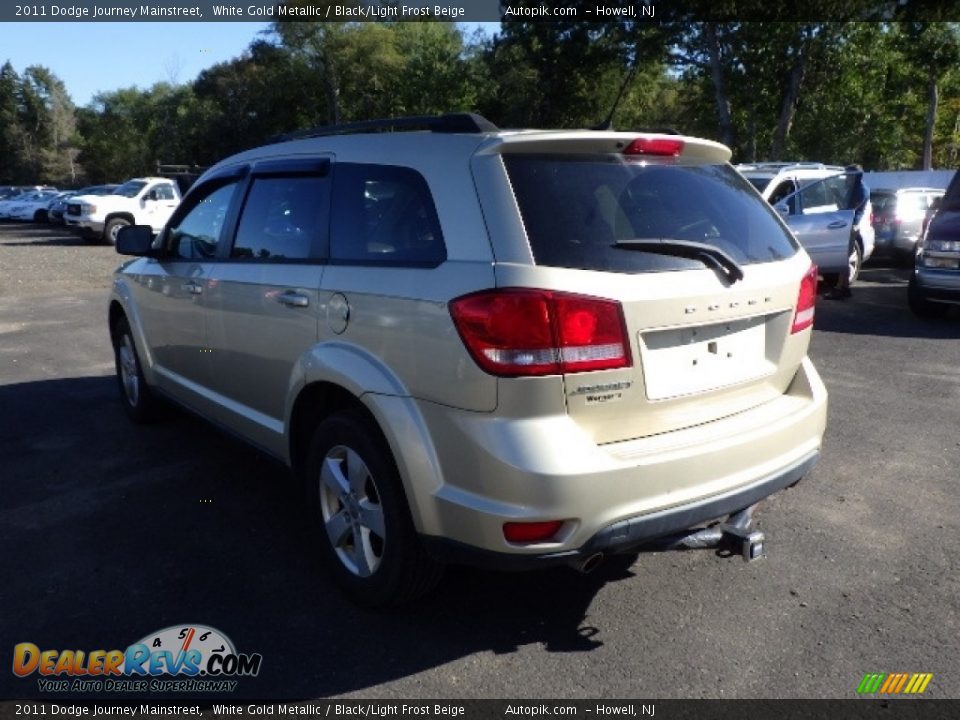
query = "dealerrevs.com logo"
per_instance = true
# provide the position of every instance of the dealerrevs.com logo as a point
(180, 658)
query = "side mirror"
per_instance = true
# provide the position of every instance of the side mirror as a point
(782, 209)
(136, 240)
(935, 204)
(152, 195)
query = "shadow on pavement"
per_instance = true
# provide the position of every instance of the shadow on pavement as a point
(878, 288)
(118, 531)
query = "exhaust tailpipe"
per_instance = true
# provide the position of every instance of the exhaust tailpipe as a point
(588, 564)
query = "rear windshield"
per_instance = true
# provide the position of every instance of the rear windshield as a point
(577, 207)
(883, 203)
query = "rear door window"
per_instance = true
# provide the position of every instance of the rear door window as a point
(385, 215)
(576, 208)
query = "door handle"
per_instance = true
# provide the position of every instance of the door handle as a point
(192, 288)
(837, 224)
(293, 299)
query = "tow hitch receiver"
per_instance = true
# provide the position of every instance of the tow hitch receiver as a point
(734, 535)
(747, 543)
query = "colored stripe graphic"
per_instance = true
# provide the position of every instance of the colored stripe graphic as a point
(871, 683)
(894, 683)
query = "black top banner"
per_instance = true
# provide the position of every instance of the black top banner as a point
(481, 11)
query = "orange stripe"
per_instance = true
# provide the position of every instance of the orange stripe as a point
(903, 680)
(891, 678)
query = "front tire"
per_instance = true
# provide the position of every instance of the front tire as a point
(360, 515)
(138, 401)
(112, 228)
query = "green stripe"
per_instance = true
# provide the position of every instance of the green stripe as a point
(871, 683)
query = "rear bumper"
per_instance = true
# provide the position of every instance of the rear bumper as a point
(611, 497)
(938, 285)
(630, 533)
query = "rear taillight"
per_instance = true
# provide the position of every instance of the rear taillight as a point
(519, 332)
(806, 300)
(669, 147)
(531, 532)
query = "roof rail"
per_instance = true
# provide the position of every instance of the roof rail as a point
(448, 123)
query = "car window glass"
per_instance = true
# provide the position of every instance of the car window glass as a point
(196, 235)
(884, 204)
(384, 215)
(911, 206)
(281, 218)
(818, 198)
(782, 190)
(130, 189)
(164, 192)
(576, 208)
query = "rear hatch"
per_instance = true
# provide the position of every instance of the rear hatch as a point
(706, 277)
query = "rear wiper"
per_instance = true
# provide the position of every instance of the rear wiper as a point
(711, 256)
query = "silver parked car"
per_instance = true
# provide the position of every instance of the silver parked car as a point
(506, 348)
(898, 217)
(838, 237)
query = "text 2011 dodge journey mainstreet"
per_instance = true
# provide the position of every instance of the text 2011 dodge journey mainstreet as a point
(507, 348)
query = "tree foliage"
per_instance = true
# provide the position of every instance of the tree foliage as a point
(882, 93)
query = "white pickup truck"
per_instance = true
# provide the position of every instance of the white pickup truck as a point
(140, 201)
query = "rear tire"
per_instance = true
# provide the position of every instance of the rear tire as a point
(360, 516)
(855, 260)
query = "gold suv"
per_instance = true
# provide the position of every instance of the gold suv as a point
(507, 348)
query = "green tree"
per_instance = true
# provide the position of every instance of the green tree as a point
(370, 70)
(11, 133)
(242, 103)
(570, 73)
(50, 119)
(116, 131)
(934, 50)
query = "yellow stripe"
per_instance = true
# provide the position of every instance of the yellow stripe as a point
(927, 677)
(903, 679)
(911, 686)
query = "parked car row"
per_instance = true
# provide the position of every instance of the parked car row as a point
(58, 208)
(30, 206)
(96, 212)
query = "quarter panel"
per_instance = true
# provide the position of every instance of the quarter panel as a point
(400, 315)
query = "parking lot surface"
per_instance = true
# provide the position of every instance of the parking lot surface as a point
(112, 532)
